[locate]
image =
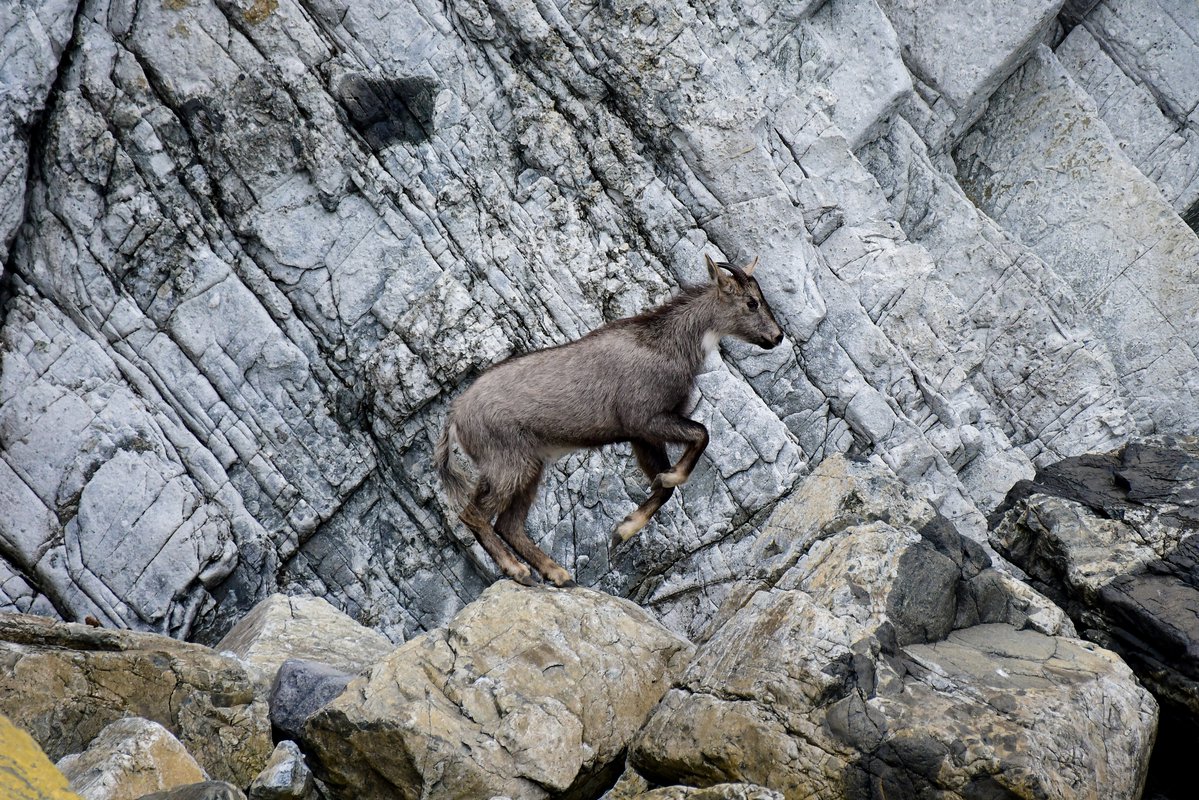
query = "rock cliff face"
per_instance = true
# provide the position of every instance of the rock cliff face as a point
(252, 249)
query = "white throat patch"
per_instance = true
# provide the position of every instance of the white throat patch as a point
(711, 339)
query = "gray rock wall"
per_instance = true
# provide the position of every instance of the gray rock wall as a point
(253, 249)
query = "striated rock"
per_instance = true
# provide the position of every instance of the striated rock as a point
(129, 759)
(285, 777)
(265, 244)
(527, 693)
(1040, 369)
(25, 771)
(65, 683)
(281, 628)
(33, 38)
(1162, 143)
(873, 655)
(1111, 538)
(1146, 49)
(960, 59)
(207, 790)
(1045, 167)
(300, 689)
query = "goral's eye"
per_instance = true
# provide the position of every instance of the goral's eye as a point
(752, 304)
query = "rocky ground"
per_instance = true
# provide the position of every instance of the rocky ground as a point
(872, 651)
(252, 249)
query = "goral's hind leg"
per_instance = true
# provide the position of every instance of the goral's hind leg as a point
(511, 526)
(654, 461)
(477, 517)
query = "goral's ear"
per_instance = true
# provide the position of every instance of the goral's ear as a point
(749, 269)
(717, 272)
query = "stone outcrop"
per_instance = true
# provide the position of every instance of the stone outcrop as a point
(1110, 537)
(306, 628)
(878, 654)
(252, 251)
(25, 771)
(527, 693)
(64, 683)
(129, 759)
(1092, 215)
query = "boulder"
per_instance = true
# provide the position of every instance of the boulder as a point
(301, 688)
(1111, 537)
(527, 693)
(285, 777)
(65, 683)
(872, 657)
(25, 771)
(282, 627)
(205, 790)
(130, 758)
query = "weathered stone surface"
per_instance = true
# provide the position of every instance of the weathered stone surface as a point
(1040, 369)
(1044, 166)
(632, 786)
(961, 55)
(65, 683)
(1153, 44)
(207, 790)
(300, 689)
(527, 693)
(281, 628)
(1111, 538)
(25, 771)
(859, 661)
(129, 759)
(33, 37)
(285, 777)
(1162, 147)
(249, 327)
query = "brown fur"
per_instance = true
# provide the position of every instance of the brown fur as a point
(626, 381)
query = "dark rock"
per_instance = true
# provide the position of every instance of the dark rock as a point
(207, 790)
(1110, 537)
(300, 689)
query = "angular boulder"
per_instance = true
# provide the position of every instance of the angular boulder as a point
(1111, 538)
(527, 693)
(25, 772)
(132, 757)
(285, 777)
(282, 627)
(299, 691)
(64, 683)
(878, 654)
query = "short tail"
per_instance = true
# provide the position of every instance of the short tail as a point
(453, 480)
